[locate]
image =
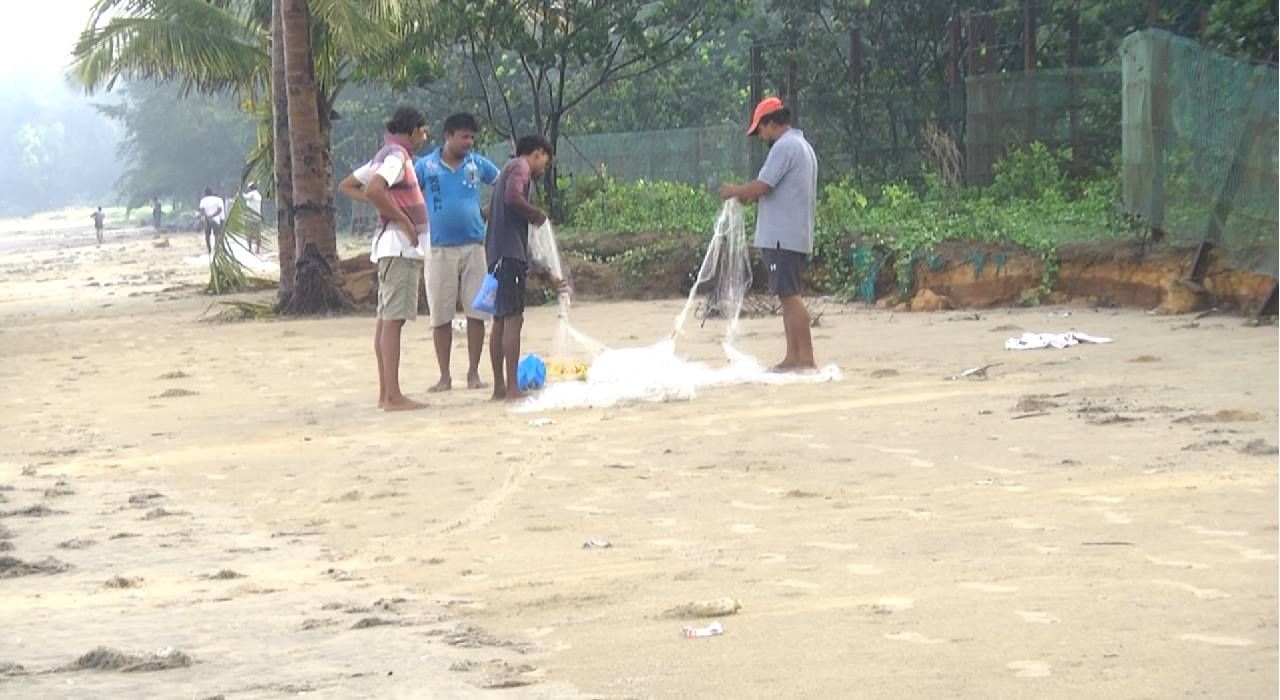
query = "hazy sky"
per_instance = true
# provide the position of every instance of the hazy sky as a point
(36, 39)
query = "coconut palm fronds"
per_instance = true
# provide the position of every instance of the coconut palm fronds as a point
(227, 274)
(234, 311)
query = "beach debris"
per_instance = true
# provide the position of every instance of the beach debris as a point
(979, 372)
(540, 422)
(122, 582)
(1036, 341)
(222, 575)
(714, 607)
(12, 567)
(714, 629)
(597, 544)
(106, 659)
(39, 510)
(1259, 448)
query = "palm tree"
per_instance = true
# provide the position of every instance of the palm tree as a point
(312, 171)
(238, 46)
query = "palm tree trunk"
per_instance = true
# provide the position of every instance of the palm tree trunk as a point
(286, 241)
(316, 288)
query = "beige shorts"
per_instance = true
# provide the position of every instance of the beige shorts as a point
(454, 276)
(398, 288)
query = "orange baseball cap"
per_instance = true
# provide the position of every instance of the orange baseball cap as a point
(768, 105)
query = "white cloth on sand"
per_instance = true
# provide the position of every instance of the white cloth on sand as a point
(1036, 341)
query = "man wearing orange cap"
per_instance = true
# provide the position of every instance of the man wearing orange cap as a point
(787, 189)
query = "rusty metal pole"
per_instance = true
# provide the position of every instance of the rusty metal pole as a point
(855, 85)
(1029, 66)
(755, 152)
(1073, 93)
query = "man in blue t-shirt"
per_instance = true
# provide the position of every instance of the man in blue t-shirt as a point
(450, 177)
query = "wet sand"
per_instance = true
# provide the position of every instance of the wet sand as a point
(1099, 520)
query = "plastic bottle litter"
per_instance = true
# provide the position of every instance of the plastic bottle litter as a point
(715, 607)
(597, 544)
(712, 630)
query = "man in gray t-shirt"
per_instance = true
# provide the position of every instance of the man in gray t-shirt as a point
(787, 189)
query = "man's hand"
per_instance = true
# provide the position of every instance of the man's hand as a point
(538, 218)
(728, 191)
(561, 286)
(410, 231)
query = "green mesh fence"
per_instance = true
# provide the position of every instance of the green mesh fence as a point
(1076, 107)
(701, 157)
(1199, 146)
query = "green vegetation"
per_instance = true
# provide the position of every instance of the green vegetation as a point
(1031, 206)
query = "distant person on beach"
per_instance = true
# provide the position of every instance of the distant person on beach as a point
(450, 177)
(787, 190)
(98, 220)
(157, 212)
(212, 213)
(253, 199)
(507, 254)
(388, 183)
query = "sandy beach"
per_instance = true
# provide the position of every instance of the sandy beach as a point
(1094, 521)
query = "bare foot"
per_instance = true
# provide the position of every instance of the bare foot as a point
(515, 395)
(786, 367)
(445, 384)
(403, 404)
(473, 382)
(499, 393)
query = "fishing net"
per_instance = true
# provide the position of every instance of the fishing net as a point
(657, 372)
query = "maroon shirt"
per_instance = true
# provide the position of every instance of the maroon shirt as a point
(510, 214)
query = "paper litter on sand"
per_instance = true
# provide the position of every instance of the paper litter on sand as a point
(1036, 341)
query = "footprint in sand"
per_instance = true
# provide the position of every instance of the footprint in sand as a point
(1020, 524)
(914, 637)
(864, 569)
(833, 546)
(1250, 553)
(797, 583)
(1030, 669)
(1001, 471)
(589, 510)
(1216, 641)
(1042, 618)
(1201, 593)
(1208, 532)
(896, 603)
(1176, 563)
(989, 587)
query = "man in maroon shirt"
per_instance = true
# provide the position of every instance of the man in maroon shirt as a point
(506, 249)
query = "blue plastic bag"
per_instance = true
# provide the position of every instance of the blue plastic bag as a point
(487, 298)
(531, 373)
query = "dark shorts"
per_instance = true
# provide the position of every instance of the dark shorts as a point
(786, 270)
(511, 274)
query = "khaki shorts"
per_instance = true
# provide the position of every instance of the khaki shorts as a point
(454, 276)
(398, 288)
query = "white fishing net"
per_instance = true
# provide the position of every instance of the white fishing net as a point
(657, 372)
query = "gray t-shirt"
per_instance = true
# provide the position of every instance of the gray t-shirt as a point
(786, 214)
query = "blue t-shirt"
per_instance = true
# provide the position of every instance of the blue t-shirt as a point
(453, 196)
